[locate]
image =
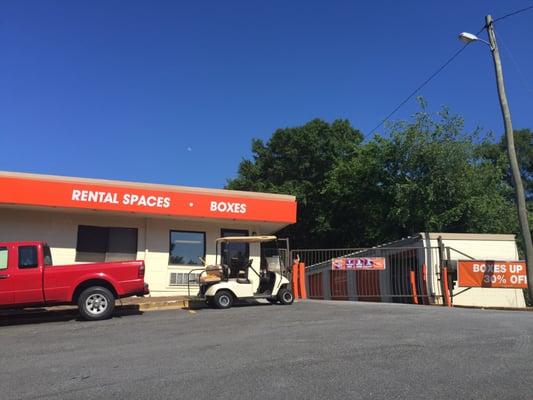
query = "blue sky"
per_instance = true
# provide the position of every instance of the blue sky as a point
(173, 92)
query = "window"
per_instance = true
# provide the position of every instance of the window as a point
(3, 258)
(47, 255)
(96, 243)
(122, 244)
(28, 257)
(186, 248)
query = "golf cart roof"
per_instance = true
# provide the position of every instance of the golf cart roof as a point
(246, 239)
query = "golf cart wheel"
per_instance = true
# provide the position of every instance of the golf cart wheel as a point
(285, 296)
(96, 303)
(223, 299)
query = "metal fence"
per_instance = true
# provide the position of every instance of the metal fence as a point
(311, 257)
(411, 275)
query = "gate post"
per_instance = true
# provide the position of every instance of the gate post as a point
(443, 264)
(326, 283)
(425, 298)
(444, 277)
(302, 281)
(384, 283)
(412, 279)
(352, 286)
(307, 284)
(295, 278)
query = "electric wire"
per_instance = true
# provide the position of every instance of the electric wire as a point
(423, 84)
(441, 68)
(518, 70)
(514, 13)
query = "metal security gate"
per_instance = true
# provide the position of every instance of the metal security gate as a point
(402, 265)
(404, 279)
(338, 282)
(367, 285)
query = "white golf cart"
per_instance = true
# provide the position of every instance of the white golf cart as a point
(221, 284)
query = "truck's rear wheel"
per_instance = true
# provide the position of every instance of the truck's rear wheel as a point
(96, 303)
(223, 299)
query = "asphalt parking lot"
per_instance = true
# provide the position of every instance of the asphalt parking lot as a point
(310, 350)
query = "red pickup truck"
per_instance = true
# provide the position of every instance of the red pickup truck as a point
(28, 279)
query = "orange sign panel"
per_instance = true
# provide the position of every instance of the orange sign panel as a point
(84, 195)
(358, 263)
(492, 274)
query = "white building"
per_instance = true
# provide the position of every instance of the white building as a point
(463, 246)
(169, 227)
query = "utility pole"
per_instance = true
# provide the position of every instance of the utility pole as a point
(511, 152)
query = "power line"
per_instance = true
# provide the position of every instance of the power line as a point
(421, 86)
(514, 13)
(515, 64)
(433, 75)
(441, 68)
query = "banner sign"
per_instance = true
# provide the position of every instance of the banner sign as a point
(134, 199)
(359, 263)
(492, 274)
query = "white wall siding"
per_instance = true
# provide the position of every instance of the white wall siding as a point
(59, 229)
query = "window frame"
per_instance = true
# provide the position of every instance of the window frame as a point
(47, 252)
(7, 257)
(80, 254)
(36, 251)
(170, 247)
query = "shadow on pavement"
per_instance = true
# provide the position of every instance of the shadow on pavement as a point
(41, 315)
(200, 305)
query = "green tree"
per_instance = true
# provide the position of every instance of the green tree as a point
(297, 161)
(425, 174)
(496, 152)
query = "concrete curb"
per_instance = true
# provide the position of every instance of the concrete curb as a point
(159, 305)
(530, 309)
(369, 303)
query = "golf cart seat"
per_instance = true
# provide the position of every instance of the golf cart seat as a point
(267, 281)
(242, 275)
(214, 273)
(273, 264)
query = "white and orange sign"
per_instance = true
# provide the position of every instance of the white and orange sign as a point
(492, 274)
(358, 263)
(36, 192)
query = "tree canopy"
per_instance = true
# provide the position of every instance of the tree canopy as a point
(298, 161)
(524, 150)
(424, 174)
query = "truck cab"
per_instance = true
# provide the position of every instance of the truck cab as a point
(21, 272)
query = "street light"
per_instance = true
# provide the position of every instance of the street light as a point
(511, 152)
(467, 38)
